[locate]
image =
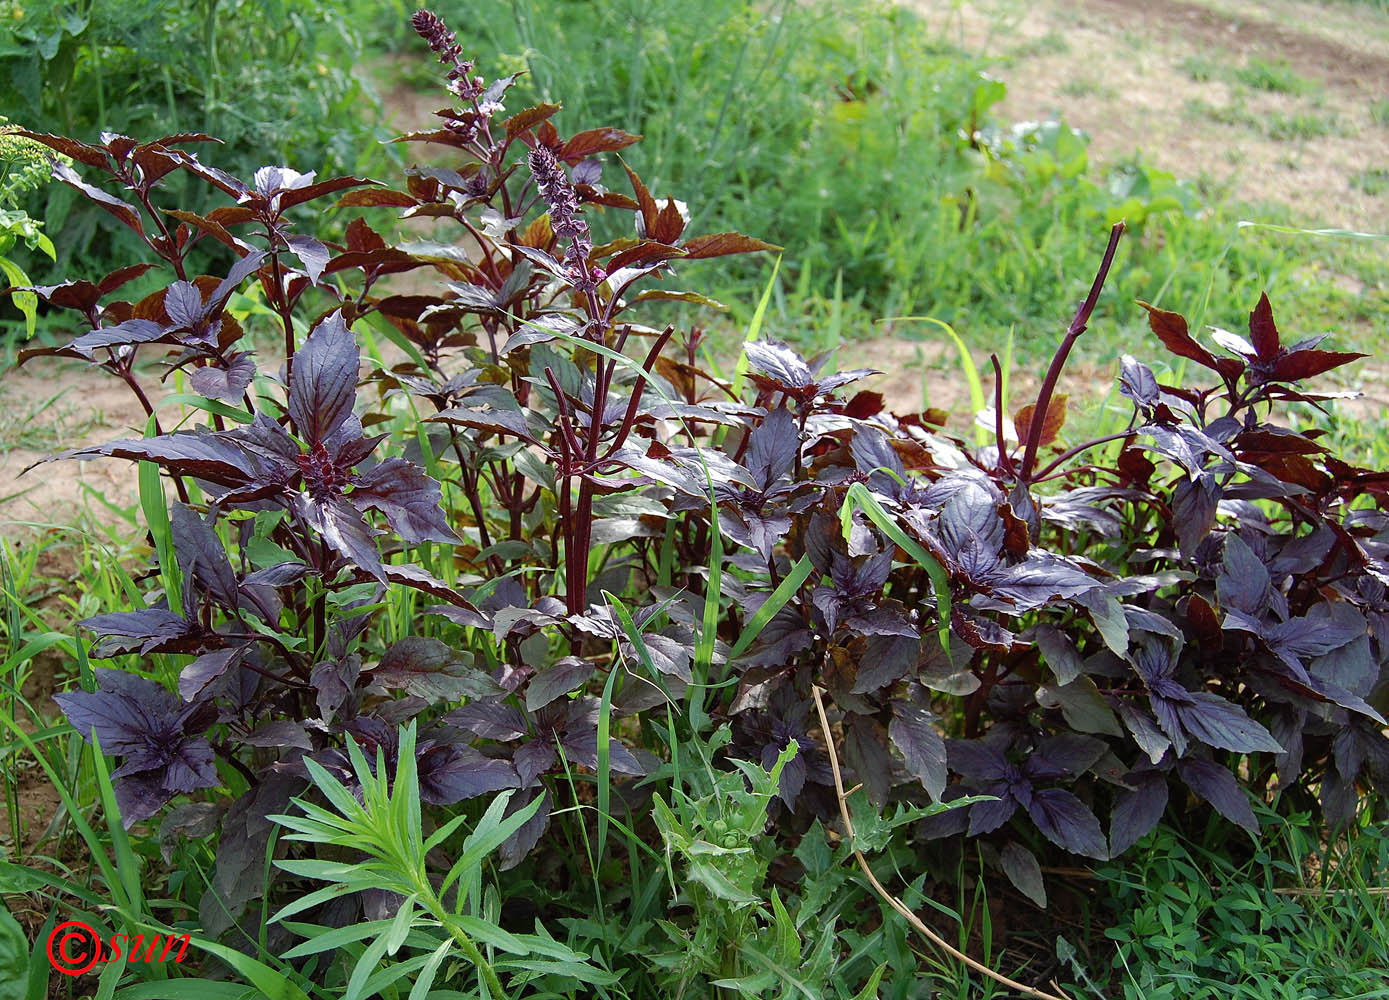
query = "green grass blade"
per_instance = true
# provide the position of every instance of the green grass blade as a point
(859, 498)
(792, 583)
(740, 371)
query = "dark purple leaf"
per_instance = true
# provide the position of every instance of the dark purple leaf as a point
(975, 759)
(1137, 382)
(491, 720)
(921, 745)
(1067, 822)
(986, 817)
(334, 683)
(1042, 578)
(430, 669)
(1059, 653)
(533, 759)
(886, 659)
(459, 609)
(449, 773)
(138, 720)
(1220, 723)
(148, 630)
(311, 253)
(668, 655)
(227, 384)
(214, 458)
(972, 530)
(778, 362)
(132, 331)
(557, 681)
(1022, 869)
(1067, 753)
(279, 733)
(342, 525)
(195, 677)
(1243, 581)
(582, 747)
(1137, 810)
(202, 557)
(772, 447)
(1218, 786)
(1146, 733)
(239, 875)
(279, 575)
(323, 386)
(122, 711)
(1193, 510)
(514, 850)
(827, 384)
(411, 501)
(491, 419)
(865, 748)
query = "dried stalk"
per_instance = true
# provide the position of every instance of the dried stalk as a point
(892, 900)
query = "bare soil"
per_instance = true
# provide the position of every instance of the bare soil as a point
(1161, 77)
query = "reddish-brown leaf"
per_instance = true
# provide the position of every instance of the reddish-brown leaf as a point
(231, 215)
(669, 224)
(298, 196)
(209, 226)
(1262, 331)
(1172, 331)
(92, 156)
(538, 234)
(442, 136)
(361, 237)
(1304, 364)
(723, 244)
(645, 203)
(376, 197)
(1136, 466)
(1051, 426)
(609, 199)
(1274, 439)
(864, 404)
(524, 121)
(645, 252)
(595, 140)
(120, 276)
(1204, 622)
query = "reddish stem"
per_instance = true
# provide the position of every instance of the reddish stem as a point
(1058, 361)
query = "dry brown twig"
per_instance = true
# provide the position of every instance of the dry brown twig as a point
(896, 903)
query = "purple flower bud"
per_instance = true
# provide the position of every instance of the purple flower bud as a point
(462, 83)
(558, 194)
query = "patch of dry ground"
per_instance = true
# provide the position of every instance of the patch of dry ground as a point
(1162, 77)
(49, 406)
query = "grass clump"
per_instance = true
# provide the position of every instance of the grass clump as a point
(1275, 76)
